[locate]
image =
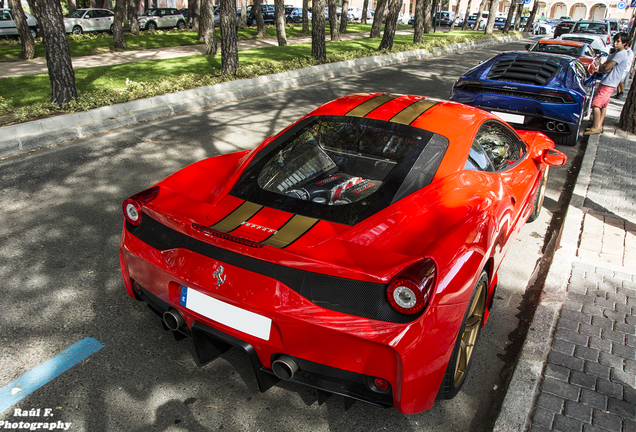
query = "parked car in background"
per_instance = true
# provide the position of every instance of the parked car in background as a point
(217, 16)
(613, 24)
(544, 27)
(159, 18)
(581, 50)
(549, 93)
(355, 14)
(268, 14)
(355, 252)
(564, 26)
(599, 28)
(7, 25)
(596, 42)
(88, 20)
(295, 15)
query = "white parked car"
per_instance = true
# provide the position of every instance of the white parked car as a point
(544, 27)
(596, 42)
(7, 25)
(158, 18)
(87, 20)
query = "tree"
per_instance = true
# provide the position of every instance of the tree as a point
(243, 13)
(480, 12)
(207, 32)
(194, 13)
(492, 13)
(71, 6)
(528, 27)
(427, 16)
(511, 14)
(333, 20)
(452, 26)
(376, 27)
(118, 24)
(391, 25)
(258, 15)
(28, 46)
(305, 17)
(58, 54)
(418, 22)
(465, 26)
(344, 17)
(133, 15)
(365, 7)
(279, 17)
(318, 45)
(229, 47)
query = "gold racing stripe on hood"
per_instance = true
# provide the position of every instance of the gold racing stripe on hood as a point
(234, 220)
(413, 111)
(291, 231)
(366, 107)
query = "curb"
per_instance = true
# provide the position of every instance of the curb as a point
(26, 137)
(518, 403)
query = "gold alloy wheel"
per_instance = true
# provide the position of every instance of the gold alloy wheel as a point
(471, 331)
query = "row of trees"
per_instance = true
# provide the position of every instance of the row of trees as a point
(62, 78)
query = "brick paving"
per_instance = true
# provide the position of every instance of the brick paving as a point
(589, 376)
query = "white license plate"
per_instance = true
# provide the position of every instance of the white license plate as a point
(226, 314)
(510, 118)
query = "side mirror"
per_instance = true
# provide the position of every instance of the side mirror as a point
(528, 46)
(553, 158)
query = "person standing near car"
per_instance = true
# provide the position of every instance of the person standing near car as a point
(630, 62)
(613, 68)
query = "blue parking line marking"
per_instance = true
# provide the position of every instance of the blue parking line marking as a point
(20, 388)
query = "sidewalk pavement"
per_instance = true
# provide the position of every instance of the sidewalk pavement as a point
(577, 369)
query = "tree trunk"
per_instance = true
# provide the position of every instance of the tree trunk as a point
(426, 18)
(194, 12)
(627, 122)
(243, 13)
(279, 17)
(376, 27)
(333, 20)
(58, 54)
(28, 46)
(465, 25)
(133, 15)
(511, 15)
(206, 26)
(118, 24)
(305, 17)
(318, 44)
(480, 12)
(452, 26)
(528, 27)
(229, 48)
(391, 25)
(418, 22)
(365, 7)
(71, 6)
(260, 24)
(492, 14)
(344, 18)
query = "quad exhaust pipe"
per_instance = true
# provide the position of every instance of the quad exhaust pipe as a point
(284, 367)
(173, 319)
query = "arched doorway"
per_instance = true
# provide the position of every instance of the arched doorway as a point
(578, 11)
(598, 11)
(558, 10)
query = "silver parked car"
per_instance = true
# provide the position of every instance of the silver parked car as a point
(157, 18)
(88, 20)
(7, 25)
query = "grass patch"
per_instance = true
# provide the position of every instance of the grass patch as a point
(27, 98)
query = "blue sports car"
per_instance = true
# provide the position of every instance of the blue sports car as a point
(549, 93)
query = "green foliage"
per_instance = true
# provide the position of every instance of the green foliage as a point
(27, 97)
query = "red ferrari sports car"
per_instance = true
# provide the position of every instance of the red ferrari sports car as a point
(355, 252)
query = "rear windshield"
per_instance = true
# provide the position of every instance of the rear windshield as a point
(594, 28)
(341, 168)
(558, 49)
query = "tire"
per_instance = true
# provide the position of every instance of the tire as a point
(151, 26)
(180, 25)
(462, 355)
(571, 139)
(538, 198)
(111, 29)
(34, 33)
(77, 30)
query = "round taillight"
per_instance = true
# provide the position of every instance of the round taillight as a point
(381, 384)
(132, 211)
(132, 205)
(409, 292)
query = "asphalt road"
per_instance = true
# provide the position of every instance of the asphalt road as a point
(59, 233)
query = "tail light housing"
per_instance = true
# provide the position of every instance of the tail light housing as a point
(132, 205)
(409, 292)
